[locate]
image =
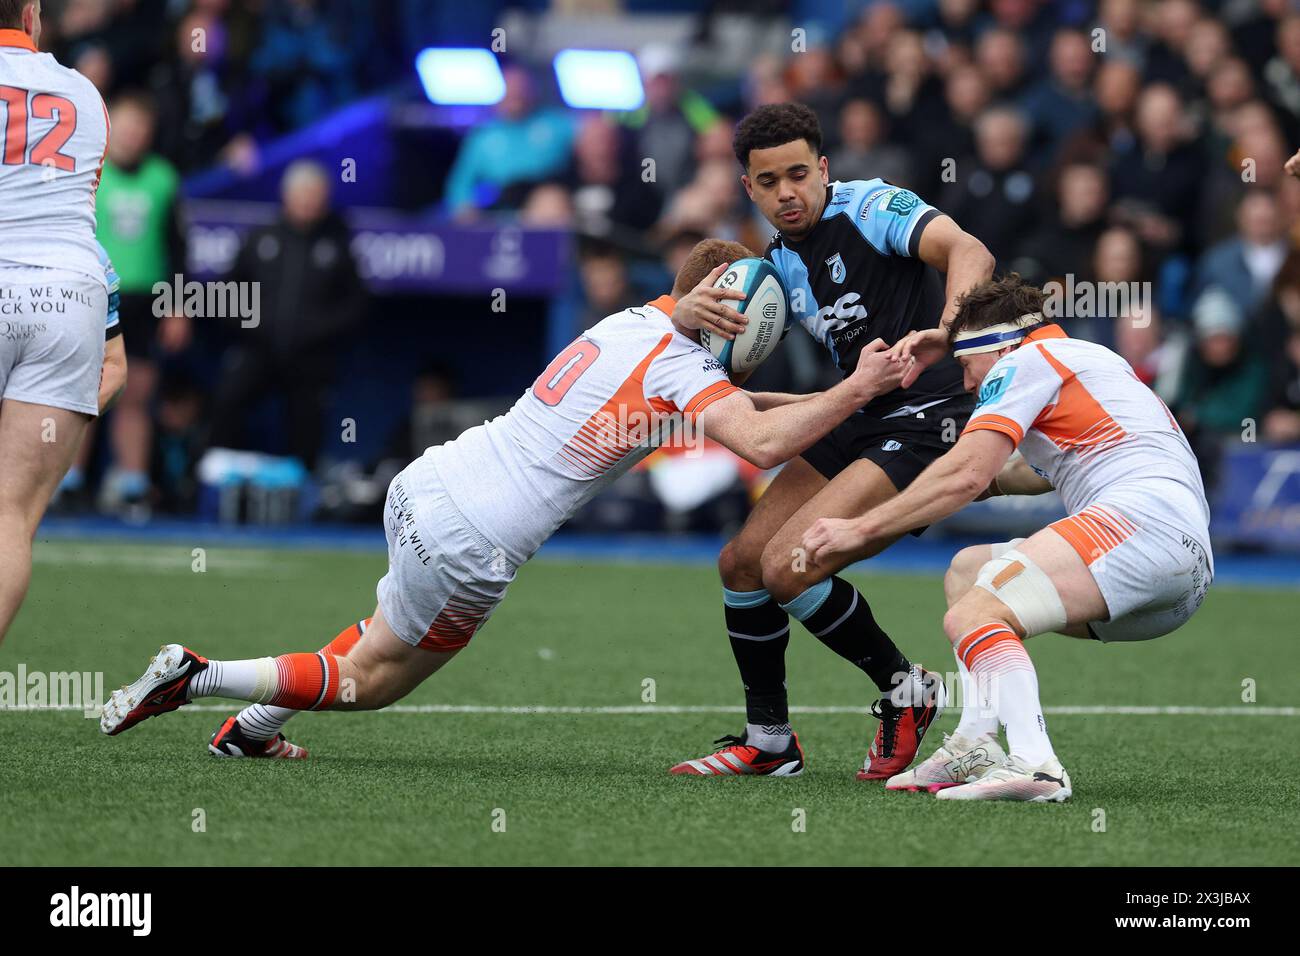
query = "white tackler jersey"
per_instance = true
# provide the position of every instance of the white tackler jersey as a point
(1084, 420)
(599, 408)
(55, 134)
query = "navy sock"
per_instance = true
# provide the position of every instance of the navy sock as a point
(839, 617)
(760, 632)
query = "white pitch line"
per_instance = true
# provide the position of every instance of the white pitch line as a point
(543, 710)
(640, 709)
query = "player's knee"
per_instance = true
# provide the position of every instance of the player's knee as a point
(961, 573)
(1020, 592)
(740, 565)
(975, 609)
(783, 572)
(728, 561)
(954, 584)
(956, 621)
(19, 520)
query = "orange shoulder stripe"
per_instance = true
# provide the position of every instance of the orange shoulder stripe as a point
(996, 423)
(707, 396)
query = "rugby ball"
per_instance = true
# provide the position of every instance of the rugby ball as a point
(764, 305)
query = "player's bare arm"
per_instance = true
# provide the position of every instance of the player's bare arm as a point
(112, 378)
(768, 438)
(1018, 477)
(947, 486)
(966, 262)
(764, 401)
(959, 255)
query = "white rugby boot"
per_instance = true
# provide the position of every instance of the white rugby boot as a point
(1016, 780)
(960, 760)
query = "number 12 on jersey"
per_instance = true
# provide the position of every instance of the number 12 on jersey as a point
(46, 150)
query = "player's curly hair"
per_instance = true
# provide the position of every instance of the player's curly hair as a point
(1002, 299)
(773, 125)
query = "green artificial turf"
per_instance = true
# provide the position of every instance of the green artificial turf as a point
(509, 788)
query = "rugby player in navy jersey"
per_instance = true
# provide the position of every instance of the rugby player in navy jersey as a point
(860, 260)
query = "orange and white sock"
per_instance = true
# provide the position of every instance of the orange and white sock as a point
(347, 638)
(995, 656)
(978, 715)
(265, 721)
(297, 681)
(303, 682)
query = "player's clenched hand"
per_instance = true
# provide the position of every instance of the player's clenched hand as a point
(705, 307)
(918, 350)
(878, 372)
(831, 538)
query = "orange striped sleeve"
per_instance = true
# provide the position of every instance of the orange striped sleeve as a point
(996, 423)
(706, 397)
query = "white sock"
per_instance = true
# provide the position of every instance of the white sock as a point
(263, 722)
(771, 737)
(979, 716)
(254, 680)
(995, 654)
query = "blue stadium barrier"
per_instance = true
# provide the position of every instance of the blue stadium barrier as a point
(1257, 502)
(929, 554)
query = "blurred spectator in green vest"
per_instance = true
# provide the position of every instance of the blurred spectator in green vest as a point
(137, 216)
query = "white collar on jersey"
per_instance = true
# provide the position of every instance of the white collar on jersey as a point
(995, 337)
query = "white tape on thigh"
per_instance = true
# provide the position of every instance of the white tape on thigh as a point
(1024, 587)
(1002, 548)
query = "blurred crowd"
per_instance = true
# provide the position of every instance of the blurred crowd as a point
(190, 84)
(226, 75)
(1121, 142)
(1135, 142)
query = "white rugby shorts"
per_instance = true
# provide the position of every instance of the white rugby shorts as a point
(444, 578)
(1152, 575)
(51, 338)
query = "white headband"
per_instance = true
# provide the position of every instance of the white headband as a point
(995, 337)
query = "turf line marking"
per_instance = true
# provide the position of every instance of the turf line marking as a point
(543, 710)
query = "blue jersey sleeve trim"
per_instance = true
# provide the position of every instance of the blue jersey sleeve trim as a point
(918, 227)
(887, 216)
